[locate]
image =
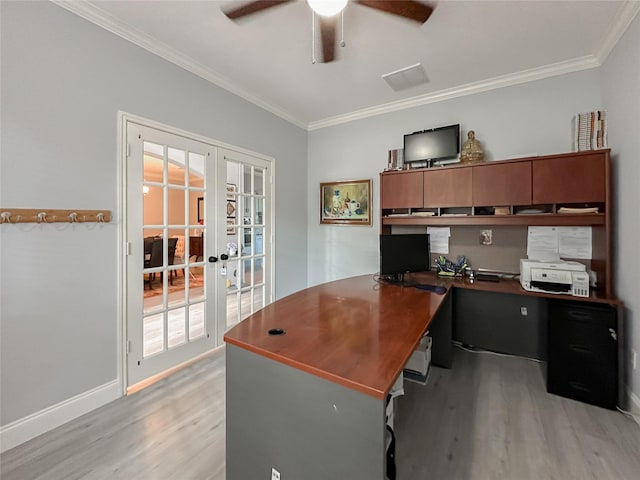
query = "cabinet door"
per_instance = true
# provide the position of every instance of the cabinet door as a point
(574, 179)
(502, 184)
(401, 190)
(448, 187)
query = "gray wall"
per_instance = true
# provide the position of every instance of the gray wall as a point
(63, 82)
(533, 118)
(621, 95)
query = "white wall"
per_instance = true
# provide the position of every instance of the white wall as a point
(621, 96)
(533, 118)
(63, 82)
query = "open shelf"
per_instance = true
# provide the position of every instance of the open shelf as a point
(550, 219)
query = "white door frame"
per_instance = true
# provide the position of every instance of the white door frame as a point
(121, 216)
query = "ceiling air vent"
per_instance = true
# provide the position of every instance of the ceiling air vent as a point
(406, 77)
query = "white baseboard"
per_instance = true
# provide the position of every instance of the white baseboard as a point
(24, 429)
(634, 405)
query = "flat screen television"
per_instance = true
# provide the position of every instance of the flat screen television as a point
(403, 253)
(430, 146)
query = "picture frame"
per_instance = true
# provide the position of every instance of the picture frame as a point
(200, 209)
(346, 202)
(231, 208)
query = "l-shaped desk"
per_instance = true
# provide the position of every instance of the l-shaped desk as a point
(307, 377)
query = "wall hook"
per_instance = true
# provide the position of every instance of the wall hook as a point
(42, 217)
(6, 217)
(73, 217)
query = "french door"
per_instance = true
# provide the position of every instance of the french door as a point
(248, 234)
(195, 215)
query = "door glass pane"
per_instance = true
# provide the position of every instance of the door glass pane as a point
(258, 209)
(232, 275)
(246, 304)
(258, 181)
(246, 179)
(258, 246)
(246, 242)
(246, 209)
(153, 205)
(196, 170)
(153, 334)
(153, 162)
(176, 332)
(258, 271)
(176, 166)
(176, 206)
(196, 320)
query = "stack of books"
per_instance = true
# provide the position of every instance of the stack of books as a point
(590, 131)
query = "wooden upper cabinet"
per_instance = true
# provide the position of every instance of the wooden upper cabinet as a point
(502, 184)
(401, 190)
(450, 187)
(572, 178)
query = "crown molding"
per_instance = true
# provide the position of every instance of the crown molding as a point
(103, 19)
(130, 33)
(624, 17)
(525, 76)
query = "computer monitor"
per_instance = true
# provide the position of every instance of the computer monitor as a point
(403, 253)
(435, 145)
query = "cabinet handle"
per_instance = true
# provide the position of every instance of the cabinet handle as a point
(580, 348)
(579, 386)
(580, 315)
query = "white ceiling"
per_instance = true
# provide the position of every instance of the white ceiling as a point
(465, 47)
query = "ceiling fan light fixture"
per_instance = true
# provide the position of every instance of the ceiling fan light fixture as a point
(327, 8)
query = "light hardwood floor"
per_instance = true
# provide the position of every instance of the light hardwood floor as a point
(488, 418)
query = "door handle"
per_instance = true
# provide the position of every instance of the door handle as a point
(213, 259)
(224, 256)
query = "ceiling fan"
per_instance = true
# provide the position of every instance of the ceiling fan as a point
(328, 11)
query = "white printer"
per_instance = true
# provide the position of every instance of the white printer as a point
(570, 278)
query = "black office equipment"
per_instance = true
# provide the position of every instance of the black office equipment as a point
(403, 253)
(429, 146)
(487, 277)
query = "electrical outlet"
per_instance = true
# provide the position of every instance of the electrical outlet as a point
(275, 474)
(523, 311)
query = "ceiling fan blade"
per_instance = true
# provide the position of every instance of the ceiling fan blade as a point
(416, 11)
(328, 37)
(249, 8)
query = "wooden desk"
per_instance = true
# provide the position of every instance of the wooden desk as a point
(311, 403)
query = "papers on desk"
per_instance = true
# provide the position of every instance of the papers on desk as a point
(552, 243)
(439, 239)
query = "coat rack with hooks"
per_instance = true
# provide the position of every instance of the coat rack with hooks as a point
(44, 215)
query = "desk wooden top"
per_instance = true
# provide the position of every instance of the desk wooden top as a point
(504, 286)
(354, 332)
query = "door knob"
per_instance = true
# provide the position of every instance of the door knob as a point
(224, 256)
(213, 259)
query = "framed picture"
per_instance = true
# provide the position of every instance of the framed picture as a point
(346, 203)
(231, 208)
(231, 191)
(200, 209)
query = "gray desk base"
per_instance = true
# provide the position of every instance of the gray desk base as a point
(302, 425)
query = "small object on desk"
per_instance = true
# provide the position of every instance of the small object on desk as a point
(432, 288)
(487, 277)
